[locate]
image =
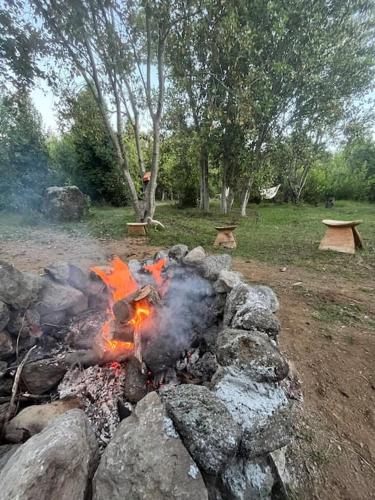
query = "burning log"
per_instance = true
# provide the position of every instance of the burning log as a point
(123, 311)
(121, 331)
(147, 292)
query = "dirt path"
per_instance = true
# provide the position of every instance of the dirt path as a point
(328, 331)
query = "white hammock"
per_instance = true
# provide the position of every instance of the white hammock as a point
(269, 193)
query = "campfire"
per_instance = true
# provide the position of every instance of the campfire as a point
(181, 326)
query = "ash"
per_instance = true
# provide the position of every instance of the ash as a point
(100, 388)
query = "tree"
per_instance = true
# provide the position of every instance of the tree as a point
(114, 47)
(24, 172)
(91, 161)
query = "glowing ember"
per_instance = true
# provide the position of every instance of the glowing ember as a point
(122, 284)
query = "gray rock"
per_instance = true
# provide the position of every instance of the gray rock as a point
(64, 204)
(134, 266)
(244, 479)
(4, 315)
(253, 353)
(61, 459)
(226, 281)
(251, 308)
(6, 451)
(25, 323)
(6, 385)
(244, 296)
(58, 298)
(135, 387)
(34, 419)
(257, 318)
(20, 290)
(146, 460)
(205, 367)
(42, 375)
(205, 425)
(195, 255)
(178, 252)
(261, 409)
(211, 266)
(69, 274)
(6, 345)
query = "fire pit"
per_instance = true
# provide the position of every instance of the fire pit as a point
(174, 356)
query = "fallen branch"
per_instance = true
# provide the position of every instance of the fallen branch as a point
(12, 404)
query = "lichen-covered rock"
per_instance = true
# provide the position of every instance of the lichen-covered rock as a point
(195, 255)
(211, 266)
(245, 479)
(57, 462)
(69, 274)
(262, 410)
(146, 460)
(251, 308)
(205, 425)
(34, 419)
(253, 353)
(244, 296)
(226, 281)
(64, 204)
(177, 252)
(257, 318)
(4, 315)
(20, 290)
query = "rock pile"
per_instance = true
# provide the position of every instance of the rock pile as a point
(211, 425)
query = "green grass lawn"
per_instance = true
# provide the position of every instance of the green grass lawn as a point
(281, 234)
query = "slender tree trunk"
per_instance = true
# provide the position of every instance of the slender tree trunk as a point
(151, 186)
(204, 202)
(223, 203)
(245, 198)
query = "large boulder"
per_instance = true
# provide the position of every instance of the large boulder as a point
(20, 290)
(35, 418)
(253, 353)
(262, 410)
(146, 459)
(205, 425)
(58, 462)
(6, 451)
(64, 204)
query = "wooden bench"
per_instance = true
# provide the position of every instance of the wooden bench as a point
(225, 237)
(341, 236)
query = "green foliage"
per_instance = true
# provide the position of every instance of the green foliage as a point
(24, 172)
(84, 156)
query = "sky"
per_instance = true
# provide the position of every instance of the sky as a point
(45, 103)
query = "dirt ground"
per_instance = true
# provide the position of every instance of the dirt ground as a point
(327, 332)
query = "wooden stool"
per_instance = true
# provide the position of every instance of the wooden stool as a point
(225, 237)
(137, 228)
(341, 236)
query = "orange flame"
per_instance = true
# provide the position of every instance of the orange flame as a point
(156, 269)
(121, 284)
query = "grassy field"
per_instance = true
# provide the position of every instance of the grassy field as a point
(280, 234)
